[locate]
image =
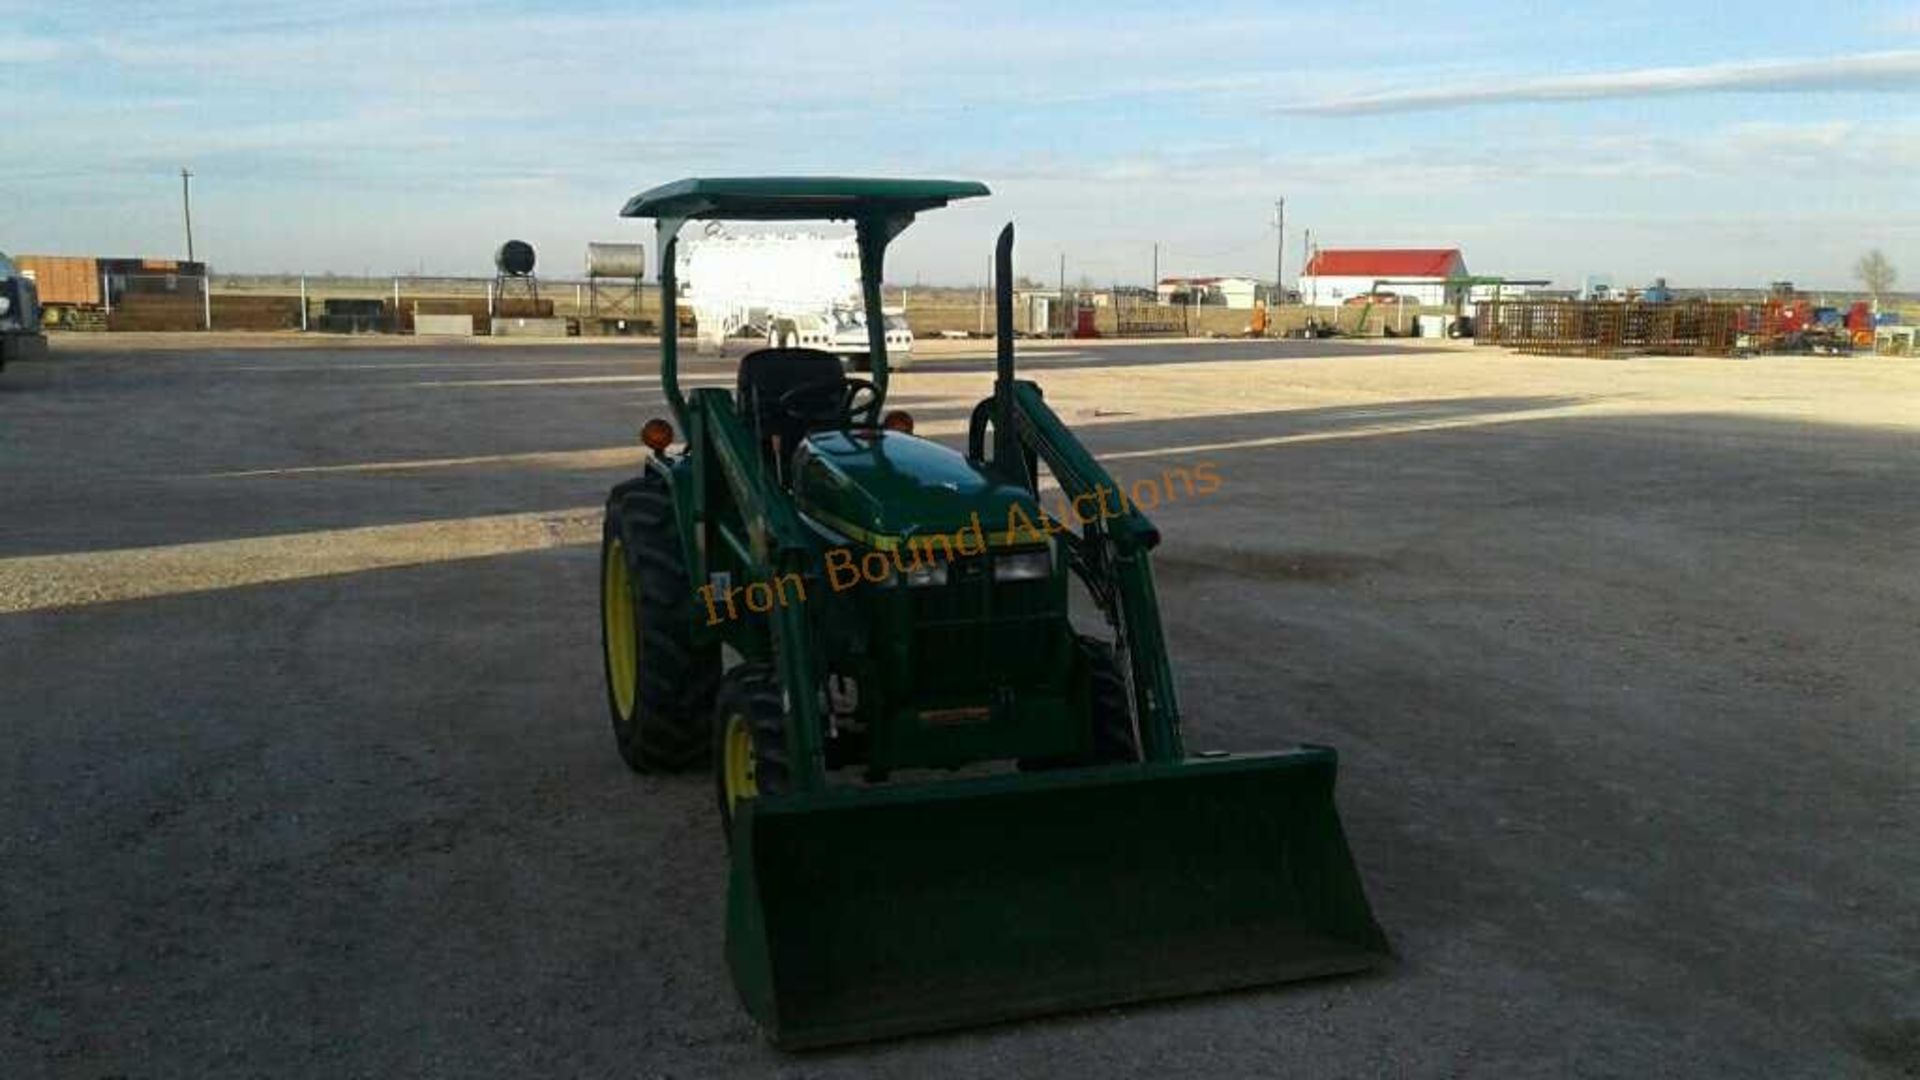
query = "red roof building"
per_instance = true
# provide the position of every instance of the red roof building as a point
(1335, 274)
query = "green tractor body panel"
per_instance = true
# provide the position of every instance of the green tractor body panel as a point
(897, 509)
(921, 655)
(882, 488)
(858, 914)
(914, 624)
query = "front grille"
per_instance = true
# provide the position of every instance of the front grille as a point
(970, 627)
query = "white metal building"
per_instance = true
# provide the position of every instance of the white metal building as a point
(1333, 276)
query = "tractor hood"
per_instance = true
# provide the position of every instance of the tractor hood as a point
(880, 488)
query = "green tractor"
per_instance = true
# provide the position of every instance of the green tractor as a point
(943, 805)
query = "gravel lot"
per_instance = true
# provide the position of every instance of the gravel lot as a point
(308, 772)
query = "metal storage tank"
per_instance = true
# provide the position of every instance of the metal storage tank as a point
(514, 259)
(616, 261)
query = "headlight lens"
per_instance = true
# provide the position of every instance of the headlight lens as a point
(1023, 565)
(6, 303)
(927, 575)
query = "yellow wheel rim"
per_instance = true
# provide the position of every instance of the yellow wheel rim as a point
(736, 768)
(616, 606)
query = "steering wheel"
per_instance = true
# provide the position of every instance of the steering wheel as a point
(828, 401)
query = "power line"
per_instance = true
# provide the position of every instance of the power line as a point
(1259, 241)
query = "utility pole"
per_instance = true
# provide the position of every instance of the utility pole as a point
(1063, 276)
(1306, 256)
(1066, 318)
(1155, 283)
(186, 207)
(1279, 249)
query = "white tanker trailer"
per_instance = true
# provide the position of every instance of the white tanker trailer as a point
(792, 290)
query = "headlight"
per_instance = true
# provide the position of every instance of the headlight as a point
(6, 303)
(1024, 566)
(927, 575)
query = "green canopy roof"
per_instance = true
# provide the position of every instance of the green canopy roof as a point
(796, 198)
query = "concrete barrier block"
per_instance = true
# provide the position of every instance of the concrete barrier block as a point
(442, 325)
(529, 328)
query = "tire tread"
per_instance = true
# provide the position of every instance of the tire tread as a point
(677, 681)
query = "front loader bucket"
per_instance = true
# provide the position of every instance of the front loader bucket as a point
(862, 913)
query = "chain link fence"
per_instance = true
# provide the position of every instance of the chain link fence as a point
(462, 306)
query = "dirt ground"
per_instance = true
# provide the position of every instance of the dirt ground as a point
(308, 769)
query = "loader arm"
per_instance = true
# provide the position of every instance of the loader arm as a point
(1111, 554)
(776, 544)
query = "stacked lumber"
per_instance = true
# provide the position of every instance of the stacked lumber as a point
(179, 312)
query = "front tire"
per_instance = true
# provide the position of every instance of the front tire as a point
(659, 684)
(749, 740)
(1109, 710)
(1110, 703)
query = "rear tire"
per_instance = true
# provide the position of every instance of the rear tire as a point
(659, 684)
(749, 740)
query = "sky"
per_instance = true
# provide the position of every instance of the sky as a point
(1713, 144)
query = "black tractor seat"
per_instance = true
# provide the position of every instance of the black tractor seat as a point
(767, 376)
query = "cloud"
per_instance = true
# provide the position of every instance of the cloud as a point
(1869, 154)
(1896, 70)
(1547, 199)
(319, 144)
(28, 50)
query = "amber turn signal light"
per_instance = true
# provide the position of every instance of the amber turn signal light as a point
(657, 434)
